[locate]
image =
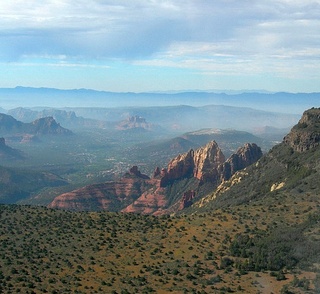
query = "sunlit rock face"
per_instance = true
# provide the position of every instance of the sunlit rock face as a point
(201, 164)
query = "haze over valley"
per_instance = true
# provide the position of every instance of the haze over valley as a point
(86, 145)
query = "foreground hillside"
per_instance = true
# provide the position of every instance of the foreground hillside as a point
(54, 251)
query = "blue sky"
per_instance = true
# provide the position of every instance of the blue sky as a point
(140, 45)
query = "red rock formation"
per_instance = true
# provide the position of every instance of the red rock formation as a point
(187, 199)
(150, 202)
(134, 122)
(112, 196)
(134, 171)
(200, 164)
(138, 193)
(245, 156)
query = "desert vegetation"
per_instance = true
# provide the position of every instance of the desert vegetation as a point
(223, 251)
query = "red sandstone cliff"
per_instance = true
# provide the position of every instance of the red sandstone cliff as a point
(200, 164)
(138, 193)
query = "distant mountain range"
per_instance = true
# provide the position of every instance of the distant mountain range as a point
(166, 119)
(48, 97)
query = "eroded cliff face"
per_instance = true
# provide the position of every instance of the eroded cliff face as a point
(306, 134)
(207, 164)
(151, 201)
(169, 189)
(206, 161)
(201, 164)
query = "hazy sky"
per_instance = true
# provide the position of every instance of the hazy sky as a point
(140, 45)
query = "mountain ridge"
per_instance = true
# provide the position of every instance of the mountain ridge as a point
(290, 167)
(9, 126)
(290, 102)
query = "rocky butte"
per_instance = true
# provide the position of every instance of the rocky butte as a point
(169, 190)
(48, 125)
(134, 122)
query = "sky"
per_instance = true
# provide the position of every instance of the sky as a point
(154, 45)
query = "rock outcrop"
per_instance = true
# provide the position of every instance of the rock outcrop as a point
(169, 190)
(245, 156)
(134, 122)
(201, 164)
(187, 199)
(206, 164)
(111, 196)
(135, 172)
(306, 134)
(48, 126)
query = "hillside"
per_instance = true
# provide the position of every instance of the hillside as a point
(9, 126)
(44, 250)
(291, 167)
(18, 184)
(8, 153)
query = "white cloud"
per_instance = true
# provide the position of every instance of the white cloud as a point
(225, 36)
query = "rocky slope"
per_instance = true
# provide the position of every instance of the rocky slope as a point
(169, 190)
(292, 167)
(306, 134)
